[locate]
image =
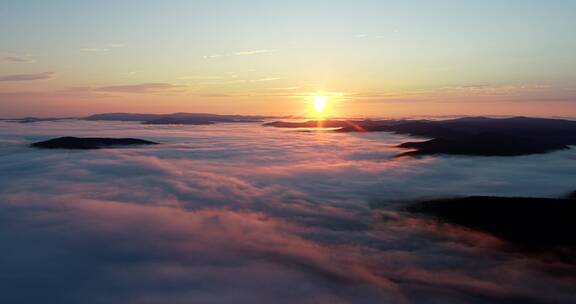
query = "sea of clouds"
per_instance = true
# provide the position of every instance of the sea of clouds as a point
(240, 213)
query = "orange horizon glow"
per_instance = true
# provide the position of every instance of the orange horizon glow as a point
(381, 63)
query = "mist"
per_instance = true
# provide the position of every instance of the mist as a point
(238, 213)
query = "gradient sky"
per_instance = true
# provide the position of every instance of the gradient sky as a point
(374, 58)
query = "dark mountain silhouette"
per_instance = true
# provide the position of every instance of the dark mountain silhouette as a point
(89, 143)
(485, 144)
(36, 119)
(176, 118)
(533, 223)
(124, 117)
(482, 136)
(554, 129)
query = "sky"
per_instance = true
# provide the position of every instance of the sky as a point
(371, 58)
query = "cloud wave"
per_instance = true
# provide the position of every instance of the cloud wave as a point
(252, 214)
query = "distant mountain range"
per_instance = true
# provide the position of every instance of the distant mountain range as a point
(36, 119)
(155, 119)
(176, 118)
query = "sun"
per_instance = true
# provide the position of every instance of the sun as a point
(320, 104)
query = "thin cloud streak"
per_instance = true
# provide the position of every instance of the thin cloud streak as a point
(104, 49)
(17, 59)
(28, 77)
(144, 88)
(241, 53)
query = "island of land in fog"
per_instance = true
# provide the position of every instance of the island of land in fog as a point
(89, 143)
(538, 224)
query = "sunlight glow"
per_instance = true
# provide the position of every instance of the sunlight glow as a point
(320, 104)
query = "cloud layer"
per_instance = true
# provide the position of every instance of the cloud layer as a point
(245, 214)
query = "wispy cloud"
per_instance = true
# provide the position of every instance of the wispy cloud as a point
(480, 91)
(86, 92)
(17, 59)
(143, 88)
(499, 89)
(252, 52)
(241, 53)
(102, 49)
(94, 50)
(386, 34)
(228, 78)
(284, 89)
(28, 77)
(255, 80)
